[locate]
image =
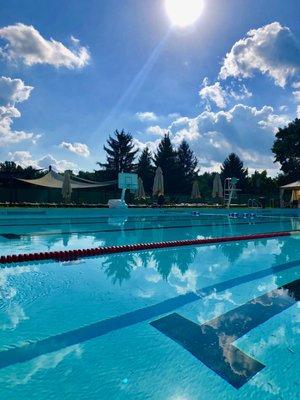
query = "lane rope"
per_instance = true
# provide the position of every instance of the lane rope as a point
(67, 255)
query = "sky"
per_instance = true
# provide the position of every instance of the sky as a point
(73, 71)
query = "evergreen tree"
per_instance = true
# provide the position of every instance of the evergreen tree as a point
(145, 169)
(120, 154)
(287, 150)
(260, 183)
(166, 158)
(187, 164)
(233, 166)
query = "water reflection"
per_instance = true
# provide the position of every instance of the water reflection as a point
(120, 230)
(212, 342)
(118, 267)
(13, 313)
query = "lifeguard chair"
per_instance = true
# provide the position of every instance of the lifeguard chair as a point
(230, 190)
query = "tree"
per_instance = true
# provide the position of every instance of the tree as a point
(145, 169)
(233, 166)
(260, 183)
(187, 163)
(286, 149)
(9, 170)
(166, 158)
(120, 154)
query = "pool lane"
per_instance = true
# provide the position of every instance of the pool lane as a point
(136, 229)
(23, 240)
(33, 349)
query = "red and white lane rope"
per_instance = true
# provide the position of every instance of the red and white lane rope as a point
(80, 253)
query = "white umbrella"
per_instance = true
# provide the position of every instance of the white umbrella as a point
(217, 186)
(195, 191)
(141, 191)
(66, 190)
(158, 185)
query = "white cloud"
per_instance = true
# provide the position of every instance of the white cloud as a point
(271, 49)
(214, 93)
(146, 116)
(221, 96)
(13, 91)
(296, 85)
(27, 45)
(248, 131)
(157, 130)
(298, 112)
(151, 144)
(25, 159)
(283, 108)
(241, 93)
(78, 148)
(297, 95)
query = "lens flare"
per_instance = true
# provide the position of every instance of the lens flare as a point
(184, 12)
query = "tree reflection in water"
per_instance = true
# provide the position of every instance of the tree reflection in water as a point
(234, 250)
(118, 267)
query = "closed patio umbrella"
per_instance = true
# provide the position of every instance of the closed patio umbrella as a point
(195, 191)
(217, 186)
(141, 191)
(66, 187)
(158, 185)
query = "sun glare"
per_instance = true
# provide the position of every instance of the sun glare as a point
(183, 12)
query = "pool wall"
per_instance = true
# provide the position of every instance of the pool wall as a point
(29, 213)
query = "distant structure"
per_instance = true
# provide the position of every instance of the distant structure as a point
(230, 190)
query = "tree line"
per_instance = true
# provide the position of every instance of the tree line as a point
(180, 165)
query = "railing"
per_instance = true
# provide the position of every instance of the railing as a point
(253, 203)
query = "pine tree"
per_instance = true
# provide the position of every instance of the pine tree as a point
(166, 158)
(120, 154)
(187, 164)
(233, 166)
(145, 169)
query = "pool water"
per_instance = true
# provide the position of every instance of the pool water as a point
(198, 322)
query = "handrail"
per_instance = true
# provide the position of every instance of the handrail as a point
(253, 203)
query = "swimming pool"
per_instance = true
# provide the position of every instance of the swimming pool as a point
(218, 321)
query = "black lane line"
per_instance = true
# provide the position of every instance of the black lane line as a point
(31, 350)
(74, 222)
(212, 342)
(146, 228)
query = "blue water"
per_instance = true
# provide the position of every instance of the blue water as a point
(82, 329)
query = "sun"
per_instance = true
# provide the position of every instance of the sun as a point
(183, 12)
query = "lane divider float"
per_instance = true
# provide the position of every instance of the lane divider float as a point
(68, 255)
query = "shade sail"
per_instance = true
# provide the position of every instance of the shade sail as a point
(292, 186)
(55, 181)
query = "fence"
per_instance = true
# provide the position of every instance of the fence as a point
(45, 195)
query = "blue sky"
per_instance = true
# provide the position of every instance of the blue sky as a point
(224, 83)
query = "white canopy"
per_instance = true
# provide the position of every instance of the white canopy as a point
(158, 185)
(66, 190)
(195, 191)
(55, 181)
(217, 186)
(292, 186)
(295, 187)
(141, 191)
